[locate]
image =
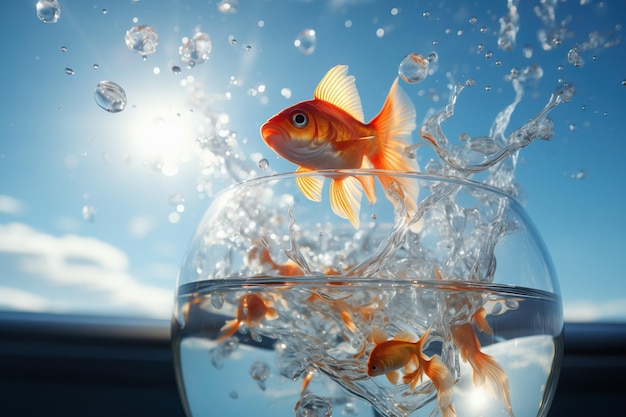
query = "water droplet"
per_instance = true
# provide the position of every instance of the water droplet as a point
(69, 71)
(285, 92)
(232, 40)
(176, 69)
(64, 49)
(394, 11)
(248, 48)
(110, 96)
(105, 11)
(498, 63)
(473, 20)
(96, 67)
(432, 57)
(196, 50)
(488, 54)
(228, 6)
(313, 406)
(528, 51)
(48, 11)
(89, 213)
(306, 41)
(142, 39)
(584, 107)
(233, 394)
(374, 217)
(512, 303)
(426, 14)
(487, 88)
(413, 68)
(480, 48)
(623, 82)
(483, 29)
(580, 175)
(574, 58)
(572, 127)
(470, 82)
(264, 163)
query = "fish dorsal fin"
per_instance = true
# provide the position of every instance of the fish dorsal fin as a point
(404, 336)
(379, 335)
(339, 89)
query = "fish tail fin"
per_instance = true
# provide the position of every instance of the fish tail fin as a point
(480, 319)
(394, 125)
(345, 198)
(443, 381)
(488, 371)
(227, 330)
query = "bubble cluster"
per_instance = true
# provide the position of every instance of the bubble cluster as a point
(110, 96)
(413, 68)
(48, 11)
(196, 50)
(142, 39)
(306, 41)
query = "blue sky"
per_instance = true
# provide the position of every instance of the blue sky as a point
(145, 176)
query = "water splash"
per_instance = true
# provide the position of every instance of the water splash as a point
(509, 26)
(414, 68)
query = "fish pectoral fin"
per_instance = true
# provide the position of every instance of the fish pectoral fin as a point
(345, 199)
(228, 329)
(393, 377)
(310, 186)
(339, 89)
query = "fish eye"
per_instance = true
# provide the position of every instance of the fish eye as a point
(299, 119)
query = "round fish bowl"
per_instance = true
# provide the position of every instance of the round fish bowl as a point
(439, 296)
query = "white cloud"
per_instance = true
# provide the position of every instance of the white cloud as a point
(91, 273)
(584, 311)
(10, 205)
(15, 299)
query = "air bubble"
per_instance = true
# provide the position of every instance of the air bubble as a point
(142, 39)
(264, 163)
(110, 96)
(95, 67)
(426, 14)
(260, 371)
(313, 406)
(413, 68)
(306, 41)
(64, 49)
(48, 11)
(176, 69)
(432, 57)
(69, 71)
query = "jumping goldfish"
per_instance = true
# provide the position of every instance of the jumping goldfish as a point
(329, 132)
(252, 309)
(388, 356)
(485, 368)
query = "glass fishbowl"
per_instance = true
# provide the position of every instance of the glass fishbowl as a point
(441, 297)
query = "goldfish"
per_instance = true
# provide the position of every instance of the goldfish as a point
(251, 310)
(485, 368)
(388, 356)
(329, 133)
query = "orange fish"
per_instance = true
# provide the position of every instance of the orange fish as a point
(252, 309)
(388, 356)
(329, 133)
(485, 368)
